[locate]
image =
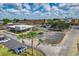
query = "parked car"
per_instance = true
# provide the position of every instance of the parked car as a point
(4, 39)
(19, 49)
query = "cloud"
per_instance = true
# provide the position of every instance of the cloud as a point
(36, 6)
(12, 10)
(63, 5)
(46, 7)
(27, 6)
(39, 10)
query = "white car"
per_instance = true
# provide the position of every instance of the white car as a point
(4, 39)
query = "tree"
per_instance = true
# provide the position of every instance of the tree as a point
(6, 20)
(39, 42)
(57, 24)
(56, 19)
(15, 20)
(31, 35)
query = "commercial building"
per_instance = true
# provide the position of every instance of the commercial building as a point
(19, 28)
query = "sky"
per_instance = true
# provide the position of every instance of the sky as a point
(39, 10)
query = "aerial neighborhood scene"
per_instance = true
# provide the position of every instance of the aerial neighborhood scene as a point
(39, 29)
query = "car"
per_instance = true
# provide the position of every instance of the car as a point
(18, 49)
(4, 39)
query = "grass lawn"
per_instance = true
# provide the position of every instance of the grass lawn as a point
(29, 52)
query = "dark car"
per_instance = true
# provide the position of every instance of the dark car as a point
(19, 50)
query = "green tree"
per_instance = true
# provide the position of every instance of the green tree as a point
(40, 41)
(31, 35)
(15, 20)
(58, 24)
(6, 20)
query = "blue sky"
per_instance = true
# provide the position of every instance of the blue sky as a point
(39, 10)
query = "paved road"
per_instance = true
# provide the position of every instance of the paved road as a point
(50, 50)
(10, 35)
(69, 39)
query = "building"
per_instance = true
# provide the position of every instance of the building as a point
(19, 28)
(25, 21)
(74, 22)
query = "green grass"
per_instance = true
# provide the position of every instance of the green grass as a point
(21, 36)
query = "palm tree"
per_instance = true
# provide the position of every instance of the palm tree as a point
(31, 35)
(40, 41)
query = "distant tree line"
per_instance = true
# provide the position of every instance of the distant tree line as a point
(6, 20)
(58, 23)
